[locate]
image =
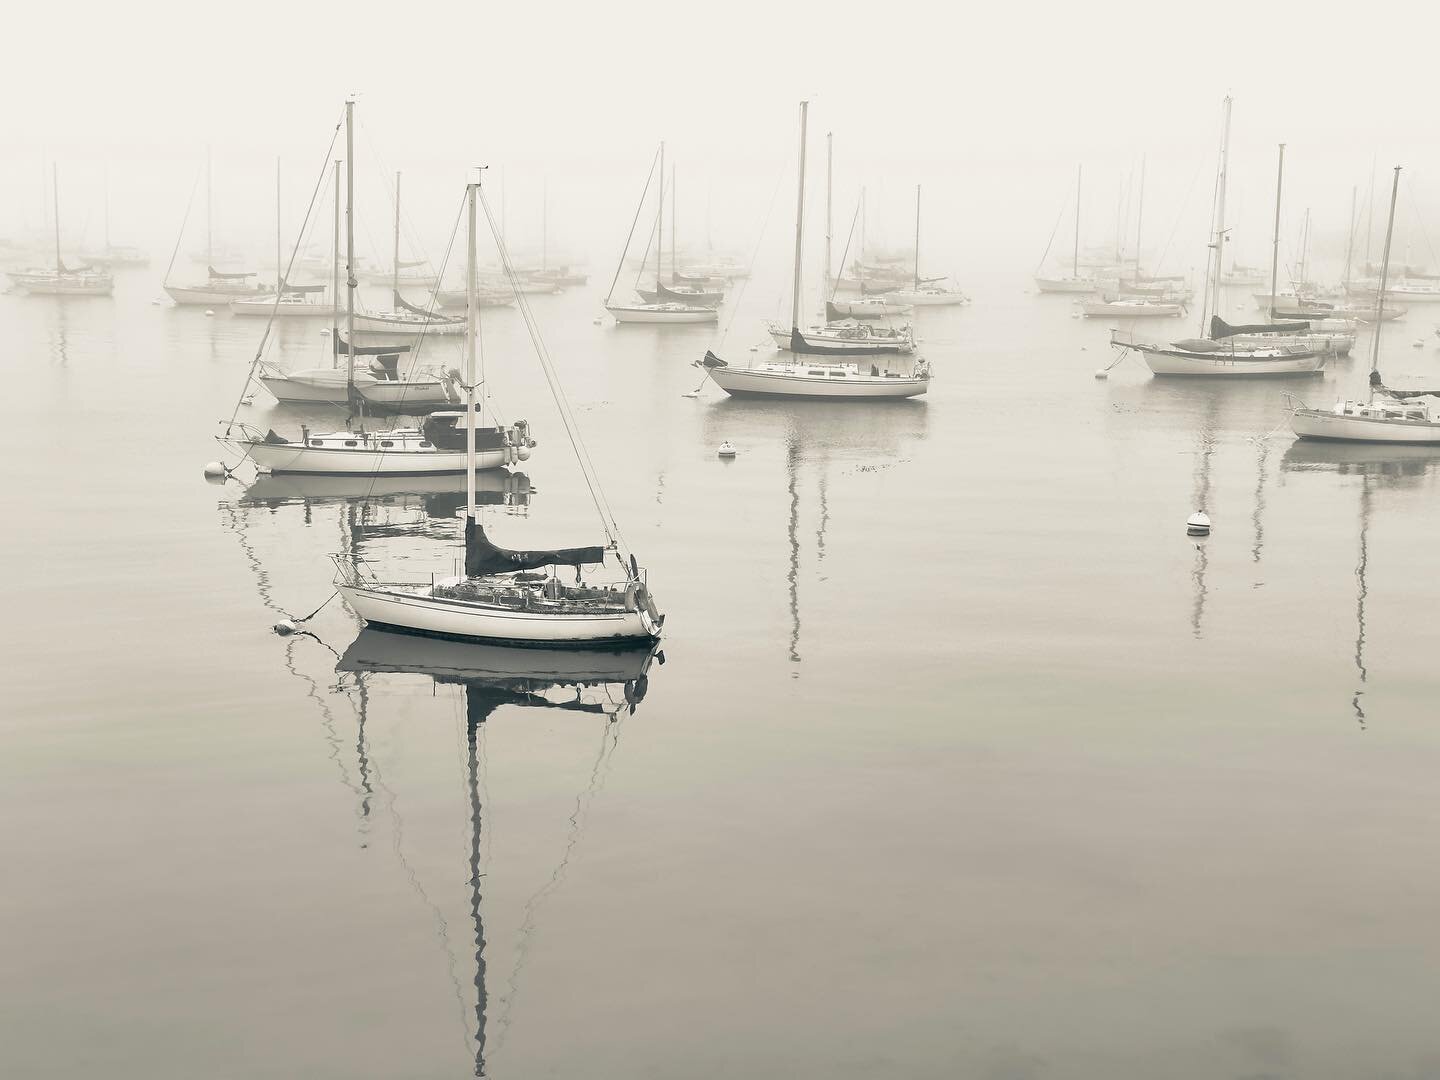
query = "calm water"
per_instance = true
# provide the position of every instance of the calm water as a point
(964, 759)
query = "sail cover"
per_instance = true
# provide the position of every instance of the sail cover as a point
(344, 349)
(240, 276)
(1219, 328)
(483, 557)
(71, 269)
(1401, 394)
(303, 290)
(404, 305)
(712, 361)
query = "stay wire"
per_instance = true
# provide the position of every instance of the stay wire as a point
(635, 221)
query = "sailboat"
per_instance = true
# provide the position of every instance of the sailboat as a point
(927, 292)
(1216, 352)
(405, 319)
(556, 277)
(1074, 282)
(862, 306)
(62, 280)
(380, 386)
(500, 597)
(808, 375)
(1391, 415)
(663, 308)
(111, 255)
(445, 443)
(220, 287)
(288, 301)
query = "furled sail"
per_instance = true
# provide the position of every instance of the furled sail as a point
(238, 276)
(1402, 394)
(1219, 328)
(404, 305)
(482, 557)
(305, 290)
(344, 348)
(698, 296)
(712, 361)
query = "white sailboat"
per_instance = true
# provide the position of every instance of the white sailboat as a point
(1074, 282)
(220, 287)
(62, 280)
(1392, 415)
(830, 362)
(287, 301)
(501, 597)
(405, 319)
(664, 308)
(1219, 352)
(925, 292)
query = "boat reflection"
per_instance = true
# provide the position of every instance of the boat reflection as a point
(493, 487)
(602, 682)
(817, 436)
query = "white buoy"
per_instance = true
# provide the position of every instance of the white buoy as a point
(325, 331)
(1102, 373)
(211, 311)
(726, 450)
(286, 627)
(216, 468)
(753, 348)
(1419, 343)
(597, 323)
(155, 302)
(1198, 524)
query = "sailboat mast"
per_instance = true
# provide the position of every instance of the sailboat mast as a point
(350, 282)
(105, 186)
(55, 198)
(1220, 215)
(545, 224)
(395, 261)
(279, 264)
(660, 221)
(335, 274)
(1075, 258)
(799, 221)
(674, 223)
(1275, 239)
(471, 316)
(864, 217)
(917, 237)
(829, 180)
(1384, 279)
(1139, 216)
(1305, 250)
(1350, 239)
(209, 209)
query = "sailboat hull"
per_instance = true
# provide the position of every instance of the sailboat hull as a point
(851, 343)
(220, 295)
(759, 382)
(1320, 424)
(1067, 285)
(403, 324)
(416, 613)
(1232, 365)
(642, 313)
(364, 461)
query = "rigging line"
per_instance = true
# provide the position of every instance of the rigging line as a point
(1415, 205)
(754, 255)
(408, 232)
(557, 391)
(654, 238)
(260, 350)
(180, 239)
(635, 221)
(845, 254)
(1046, 253)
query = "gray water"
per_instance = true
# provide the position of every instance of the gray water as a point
(964, 760)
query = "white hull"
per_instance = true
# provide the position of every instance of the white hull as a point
(1122, 310)
(340, 461)
(208, 295)
(1231, 364)
(928, 299)
(660, 314)
(1318, 424)
(67, 288)
(266, 307)
(1066, 285)
(858, 309)
(798, 384)
(415, 612)
(406, 325)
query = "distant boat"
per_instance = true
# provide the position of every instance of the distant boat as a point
(842, 362)
(682, 294)
(923, 292)
(1074, 282)
(295, 301)
(62, 280)
(221, 286)
(405, 319)
(866, 307)
(1139, 307)
(660, 310)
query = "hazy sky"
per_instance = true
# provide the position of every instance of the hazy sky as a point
(990, 107)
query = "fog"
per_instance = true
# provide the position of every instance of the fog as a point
(990, 109)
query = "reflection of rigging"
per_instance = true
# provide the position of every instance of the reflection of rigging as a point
(1361, 591)
(1257, 518)
(792, 461)
(1202, 502)
(596, 681)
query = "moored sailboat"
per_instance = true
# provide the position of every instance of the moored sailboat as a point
(62, 280)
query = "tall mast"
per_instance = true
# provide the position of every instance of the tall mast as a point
(1370, 214)
(1305, 249)
(279, 276)
(545, 224)
(1384, 276)
(395, 262)
(350, 283)
(55, 198)
(105, 185)
(917, 236)
(864, 217)
(335, 274)
(471, 317)
(1275, 239)
(829, 178)
(660, 221)
(1219, 244)
(1119, 219)
(674, 223)
(1075, 259)
(209, 210)
(1350, 239)
(799, 221)
(1139, 216)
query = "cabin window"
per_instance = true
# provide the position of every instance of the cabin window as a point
(351, 442)
(387, 442)
(316, 442)
(837, 374)
(812, 371)
(424, 445)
